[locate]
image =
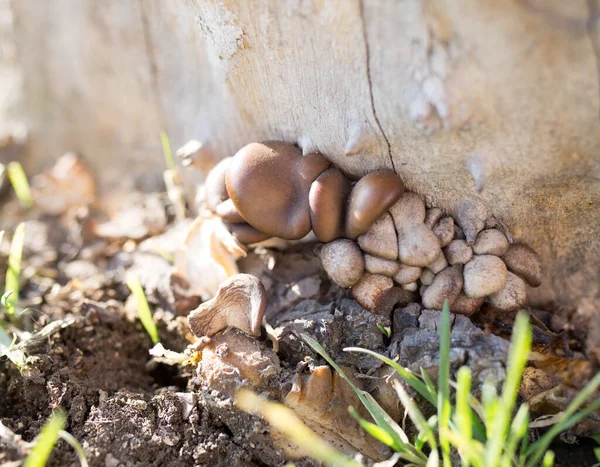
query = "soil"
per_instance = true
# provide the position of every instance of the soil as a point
(83, 349)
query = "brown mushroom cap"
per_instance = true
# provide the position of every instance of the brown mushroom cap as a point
(444, 230)
(227, 211)
(246, 234)
(215, 188)
(367, 290)
(407, 274)
(240, 303)
(327, 201)
(524, 262)
(512, 296)
(418, 246)
(386, 301)
(432, 216)
(269, 184)
(408, 211)
(458, 252)
(446, 285)
(343, 262)
(484, 275)
(464, 305)
(471, 216)
(439, 264)
(426, 277)
(490, 242)
(376, 265)
(381, 239)
(372, 195)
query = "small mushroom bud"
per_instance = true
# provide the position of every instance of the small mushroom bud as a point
(490, 242)
(381, 239)
(372, 195)
(512, 296)
(327, 201)
(418, 246)
(439, 264)
(215, 189)
(427, 277)
(408, 211)
(407, 274)
(524, 262)
(227, 211)
(246, 234)
(376, 265)
(343, 262)
(444, 230)
(464, 305)
(386, 301)
(484, 275)
(280, 177)
(471, 216)
(369, 287)
(432, 216)
(458, 252)
(423, 289)
(239, 303)
(446, 286)
(412, 287)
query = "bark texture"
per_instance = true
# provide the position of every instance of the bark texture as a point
(496, 101)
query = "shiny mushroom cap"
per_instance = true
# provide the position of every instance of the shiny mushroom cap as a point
(239, 303)
(269, 184)
(372, 195)
(327, 199)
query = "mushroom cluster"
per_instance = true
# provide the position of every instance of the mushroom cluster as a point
(379, 240)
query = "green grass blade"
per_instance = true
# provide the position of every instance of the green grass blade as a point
(69, 438)
(19, 182)
(517, 359)
(379, 416)
(167, 153)
(143, 308)
(46, 440)
(463, 414)
(410, 378)
(548, 460)
(415, 414)
(13, 273)
(284, 420)
(443, 401)
(430, 386)
(518, 429)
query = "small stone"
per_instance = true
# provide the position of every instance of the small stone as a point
(458, 252)
(484, 275)
(490, 242)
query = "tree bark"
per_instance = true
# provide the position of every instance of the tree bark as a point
(493, 100)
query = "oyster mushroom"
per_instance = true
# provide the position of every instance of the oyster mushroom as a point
(524, 262)
(444, 230)
(343, 262)
(215, 189)
(490, 242)
(446, 285)
(458, 252)
(512, 296)
(227, 211)
(280, 177)
(368, 289)
(376, 265)
(464, 305)
(372, 195)
(484, 275)
(239, 303)
(427, 277)
(407, 274)
(432, 216)
(246, 234)
(327, 201)
(439, 264)
(381, 239)
(471, 216)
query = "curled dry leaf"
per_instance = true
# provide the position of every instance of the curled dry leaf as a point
(208, 256)
(67, 185)
(239, 303)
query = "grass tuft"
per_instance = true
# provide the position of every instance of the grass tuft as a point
(19, 182)
(46, 440)
(143, 308)
(13, 273)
